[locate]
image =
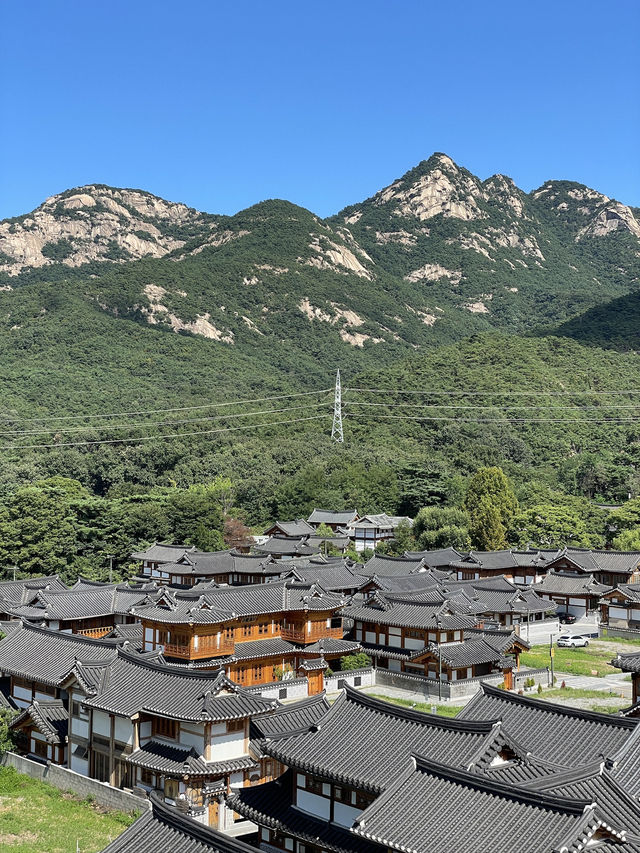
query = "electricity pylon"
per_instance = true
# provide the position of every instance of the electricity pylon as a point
(336, 431)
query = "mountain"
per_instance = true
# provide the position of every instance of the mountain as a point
(117, 300)
(97, 223)
(519, 259)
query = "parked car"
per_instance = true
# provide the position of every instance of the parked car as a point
(571, 642)
(566, 618)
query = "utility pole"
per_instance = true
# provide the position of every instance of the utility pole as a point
(551, 655)
(439, 661)
(336, 431)
(15, 569)
(110, 558)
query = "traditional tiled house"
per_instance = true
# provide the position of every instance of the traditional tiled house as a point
(256, 633)
(42, 730)
(336, 519)
(91, 609)
(157, 555)
(500, 601)
(21, 593)
(370, 530)
(38, 661)
(573, 593)
(620, 607)
(606, 567)
(440, 558)
(136, 722)
(220, 567)
(296, 529)
(422, 783)
(520, 567)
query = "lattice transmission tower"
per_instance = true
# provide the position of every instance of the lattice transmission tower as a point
(336, 431)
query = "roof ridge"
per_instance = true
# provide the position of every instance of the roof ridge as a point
(509, 790)
(452, 723)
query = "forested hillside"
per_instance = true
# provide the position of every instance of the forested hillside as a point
(125, 318)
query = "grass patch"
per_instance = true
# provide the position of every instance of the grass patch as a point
(574, 693)
(441, 710)
(37, 818)
(596, 656)
(612, 639)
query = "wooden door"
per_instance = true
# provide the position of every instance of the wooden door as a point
(508, 679)
(214, 809)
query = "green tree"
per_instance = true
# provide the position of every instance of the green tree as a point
(488, 533)
(491, 504)
(442, 527)
(549, 526)
(628, 540)
(357, 661)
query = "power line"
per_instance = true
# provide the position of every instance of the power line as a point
(162, 411)
(493, 406)
(159, 437)
(56, 430)
(489, 393)
(500, 420)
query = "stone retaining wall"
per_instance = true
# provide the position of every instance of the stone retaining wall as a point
(68, 780)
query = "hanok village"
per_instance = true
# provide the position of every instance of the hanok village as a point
(238, 699)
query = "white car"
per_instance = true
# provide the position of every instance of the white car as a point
(571, 642)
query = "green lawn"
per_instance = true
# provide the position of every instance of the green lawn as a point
(592, 660)
(441, 710)
(38, 818)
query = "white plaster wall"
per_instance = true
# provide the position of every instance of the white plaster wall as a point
(196, 740)
(124, 730)
(101, 724)
(229, 745)
(80, 728)
(313, 804)
(145, 730)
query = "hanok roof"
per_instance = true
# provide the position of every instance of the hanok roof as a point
(50, 718)
(553, 732)
(364, 742)
(47, 656)
(439, 558)
(164, 830)
(162, 552)
(469, 653)
(291, 718)
(89, 603)
(340, 517)
(616, 562)
(382, 520)
(23, 592)
(629, 591)
(284, 546)
(384, 566)
(571, 585)
(294, 529)
(175, 759)
(385, 609)
(137, 683)
(501, 560)
(221, 605)
(333, 576)
(597, 784)
(208, 563)
(415, 815)
(629, 662)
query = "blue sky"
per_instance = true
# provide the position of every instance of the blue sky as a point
(222, 104)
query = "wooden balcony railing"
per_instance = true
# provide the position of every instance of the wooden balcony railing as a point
(312, 635)
(96, 633)
(178, 651)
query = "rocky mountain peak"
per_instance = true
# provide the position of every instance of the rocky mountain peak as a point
(591, 213)
(94, 223)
